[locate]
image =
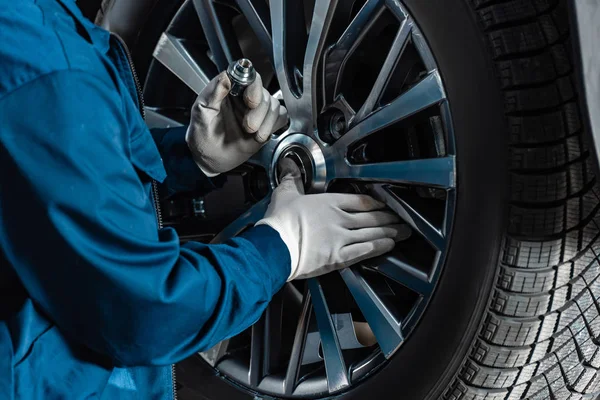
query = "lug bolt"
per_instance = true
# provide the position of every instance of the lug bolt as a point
(337, 125)
(242, 74)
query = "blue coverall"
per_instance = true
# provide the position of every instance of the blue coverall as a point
(95, 301)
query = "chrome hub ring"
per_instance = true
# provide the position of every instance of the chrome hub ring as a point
(308, 154)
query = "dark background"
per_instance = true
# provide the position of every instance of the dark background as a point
(89, 7)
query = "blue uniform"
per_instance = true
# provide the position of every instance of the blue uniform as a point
(95, 301)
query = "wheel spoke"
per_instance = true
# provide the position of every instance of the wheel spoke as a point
(426, 93)
(250, 217)
(395, 6)
(289, 40)
(265, 344)
(215, 353)
(450, 204)
(221, 38)
(272, 338)
(359, 24)
(384, 325)
(387, 69)
(171, 52)
(417, 221)
(337, 374)
(350, 39)
(258, 352)
(295, 361)
(154, 119)
(402, 272)
(259, 18)
(321, 22)
(423, 49)
(434, 172)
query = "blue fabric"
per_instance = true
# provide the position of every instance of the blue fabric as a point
(95, 301)
(183, 173)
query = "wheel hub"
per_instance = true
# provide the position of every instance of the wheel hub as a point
(307, 155)
(302, 160)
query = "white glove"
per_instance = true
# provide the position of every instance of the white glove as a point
(222, 134)
(328, 231)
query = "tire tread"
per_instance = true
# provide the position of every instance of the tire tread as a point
(539, 338)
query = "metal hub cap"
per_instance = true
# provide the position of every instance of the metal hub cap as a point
(368, 114)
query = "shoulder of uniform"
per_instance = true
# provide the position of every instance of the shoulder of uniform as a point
(37, 40)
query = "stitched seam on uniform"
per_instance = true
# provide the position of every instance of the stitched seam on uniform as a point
(48, 74)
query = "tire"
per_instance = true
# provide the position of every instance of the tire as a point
(516, 311)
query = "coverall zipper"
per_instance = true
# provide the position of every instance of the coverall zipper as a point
(155, 194)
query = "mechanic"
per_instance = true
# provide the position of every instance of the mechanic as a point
(96, 301)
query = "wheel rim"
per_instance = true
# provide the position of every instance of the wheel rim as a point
(334, 136)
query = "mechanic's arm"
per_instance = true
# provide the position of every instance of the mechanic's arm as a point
(80, 231)
(183, 174)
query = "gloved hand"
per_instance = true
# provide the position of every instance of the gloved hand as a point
(328, 231)
(222, 134)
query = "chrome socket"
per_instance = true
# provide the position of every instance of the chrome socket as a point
(242, 74)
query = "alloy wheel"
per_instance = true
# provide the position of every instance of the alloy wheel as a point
(368, 114)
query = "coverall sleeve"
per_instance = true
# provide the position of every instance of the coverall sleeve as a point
(79, 229)
(183, 175)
